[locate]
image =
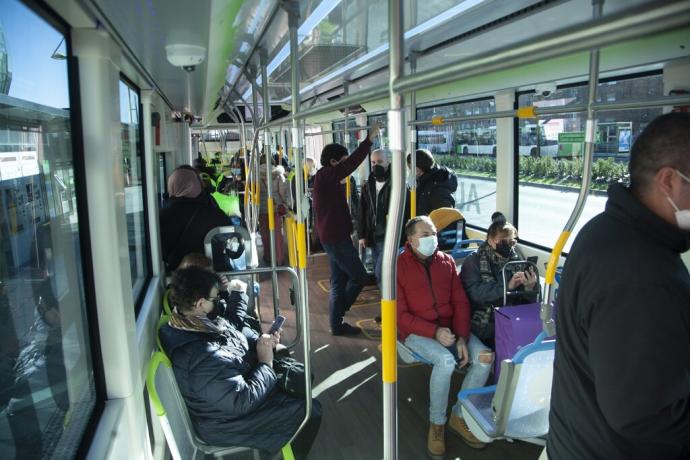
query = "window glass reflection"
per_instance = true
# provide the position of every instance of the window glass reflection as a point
(134, 192)
(47, 390)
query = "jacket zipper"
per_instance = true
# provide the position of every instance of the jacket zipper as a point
(433, 295)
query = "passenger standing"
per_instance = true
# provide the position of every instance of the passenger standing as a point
(334, 226)
(621, 386)
(373, 209)
(282, 201)
(187, 218)
(436, 184)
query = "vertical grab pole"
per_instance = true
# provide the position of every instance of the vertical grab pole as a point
(393, 228)
(292, 8)
(546, 312)
(413, 140)
(263, 56)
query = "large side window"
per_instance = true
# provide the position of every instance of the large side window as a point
(133, 174)
(47, 385)
(469, 149)
(551, 149)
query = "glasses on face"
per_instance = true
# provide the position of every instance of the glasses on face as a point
(511, 241)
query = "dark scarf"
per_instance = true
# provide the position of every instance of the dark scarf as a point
(488, 257)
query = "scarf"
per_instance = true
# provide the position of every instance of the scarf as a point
(184, 183)
(197, 324)
(488, 257)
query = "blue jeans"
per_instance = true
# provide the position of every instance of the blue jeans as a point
(444, 361)
(348, 277)
(377, 255)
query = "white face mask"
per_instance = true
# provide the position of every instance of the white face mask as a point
(427, 245)
(682, 215)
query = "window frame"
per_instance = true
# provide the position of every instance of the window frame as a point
(49, 15)
(139, 299)
(516, 143)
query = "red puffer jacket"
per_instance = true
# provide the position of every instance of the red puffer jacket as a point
(430, 299)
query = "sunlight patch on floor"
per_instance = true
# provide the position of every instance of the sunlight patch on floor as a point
(341, 375)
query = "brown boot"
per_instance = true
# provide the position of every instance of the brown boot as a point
(460, 428)
(436, 442)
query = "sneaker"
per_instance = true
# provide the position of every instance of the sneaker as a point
(460, 428)
(347, 329)
(436, 440)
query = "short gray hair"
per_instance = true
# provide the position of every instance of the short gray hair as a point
(411, 225)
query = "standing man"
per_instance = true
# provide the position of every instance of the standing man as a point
(621, 387)
(373, 209)
(334, 226)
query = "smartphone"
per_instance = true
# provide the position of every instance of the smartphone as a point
(533, 259)
(277, 324)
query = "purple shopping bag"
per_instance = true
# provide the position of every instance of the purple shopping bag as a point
(516, 326)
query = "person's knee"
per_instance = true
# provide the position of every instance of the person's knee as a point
(445, 362)
(485, 357)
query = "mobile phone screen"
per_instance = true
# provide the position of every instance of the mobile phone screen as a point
(277, 324)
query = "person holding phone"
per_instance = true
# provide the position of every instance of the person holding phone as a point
(483, 278)
(227, 380)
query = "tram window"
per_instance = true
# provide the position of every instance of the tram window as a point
(469, 149)
(550, 153)
(47, 384)
(133, 176)
(338, 136)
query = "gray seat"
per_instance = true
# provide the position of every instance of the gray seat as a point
(518, 406)
(171, 409)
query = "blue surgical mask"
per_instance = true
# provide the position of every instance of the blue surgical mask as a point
(427, 245)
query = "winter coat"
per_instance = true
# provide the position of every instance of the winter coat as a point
(177, 237)
(436, 189)
(430, 296)
(280, 188)
(231, 398)
(373, 211)
(483, 294)
(621, 380)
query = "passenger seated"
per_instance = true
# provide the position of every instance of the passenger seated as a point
(230, 310)
(433, 321)
(187, 218)
(227, 381)
(483, 279)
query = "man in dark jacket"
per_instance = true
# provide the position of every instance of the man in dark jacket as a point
(187, 218)
(373, 209)
(436, 184)
(334, 227)
(228, 382)
(621, 387)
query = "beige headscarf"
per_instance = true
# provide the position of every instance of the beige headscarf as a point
(184, 183)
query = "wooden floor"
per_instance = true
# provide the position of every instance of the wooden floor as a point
(348, 382)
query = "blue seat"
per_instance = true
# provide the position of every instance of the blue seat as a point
(518, 406)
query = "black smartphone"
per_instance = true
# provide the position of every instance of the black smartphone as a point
(533, 259)
(277, 324)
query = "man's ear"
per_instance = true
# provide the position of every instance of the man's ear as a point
(333, 162)
(199, 305)
(663, 179)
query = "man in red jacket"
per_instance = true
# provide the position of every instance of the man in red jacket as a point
(434, 322)
(334, 226)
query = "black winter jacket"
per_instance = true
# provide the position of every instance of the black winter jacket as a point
(621, 383)
(175, 240)
(231, 398)
(373, 211)
(435, 189)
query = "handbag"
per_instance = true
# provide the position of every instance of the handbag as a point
(290, 374)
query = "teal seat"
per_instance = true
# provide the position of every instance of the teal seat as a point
(518, 406)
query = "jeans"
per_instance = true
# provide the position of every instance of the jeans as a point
(377, 255)
(348, 277)
(444, 362)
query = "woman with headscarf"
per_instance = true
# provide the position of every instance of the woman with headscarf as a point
(187, 218)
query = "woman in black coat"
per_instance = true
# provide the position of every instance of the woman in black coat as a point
(227, 381)
(188, 216)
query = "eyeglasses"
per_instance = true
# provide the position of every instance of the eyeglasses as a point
(511, 242)
(213, 299)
